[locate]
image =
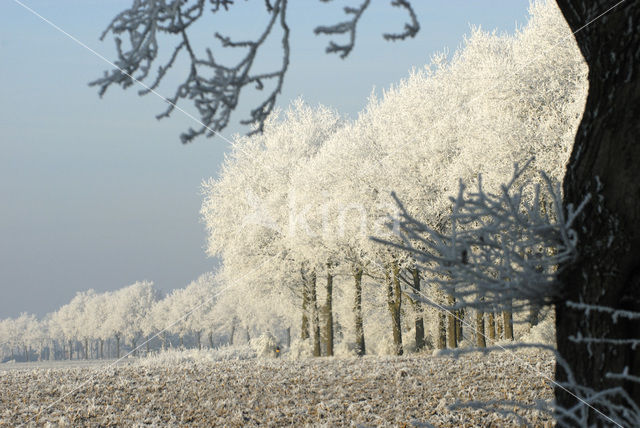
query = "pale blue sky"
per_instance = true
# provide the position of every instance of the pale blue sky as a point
(95, 193)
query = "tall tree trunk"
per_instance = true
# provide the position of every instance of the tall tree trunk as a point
(507, 318)
(357, 312)
(417, 305)
(70, 350)
(499, 328)
(210, 340)
(452, 340)
(394, 302)
(86, 349)
(492, 326)
(117, 346)
(480, 339)
(442, 330)
(233, 331)
(288, 336)
(101, 349)
(459, 326)
(328, 308)
(315, 316)
(534, 315)
(304, 328)
(604, 163)
(198, 341)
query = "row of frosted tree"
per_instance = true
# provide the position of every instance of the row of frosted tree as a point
(134, 319)
(293, 211)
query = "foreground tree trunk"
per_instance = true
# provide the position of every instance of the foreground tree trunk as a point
(419, 321)
(328, 308)
(604, 163)
(394, 302)
(357, 312)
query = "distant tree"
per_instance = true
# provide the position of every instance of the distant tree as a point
(131, 305)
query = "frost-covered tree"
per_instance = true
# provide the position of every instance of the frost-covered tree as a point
(71, 321)
(131, 305)
(258, 241)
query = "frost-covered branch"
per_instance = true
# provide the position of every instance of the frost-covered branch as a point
(615, 313)
(213, 86)
(350, 27)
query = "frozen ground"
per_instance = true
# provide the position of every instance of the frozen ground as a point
(203, 389)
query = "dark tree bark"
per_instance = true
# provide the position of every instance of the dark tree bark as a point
(357, 312)
(328, 308)
(419, 321)
(604, 163)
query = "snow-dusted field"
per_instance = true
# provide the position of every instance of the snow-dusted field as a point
(369, 391)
